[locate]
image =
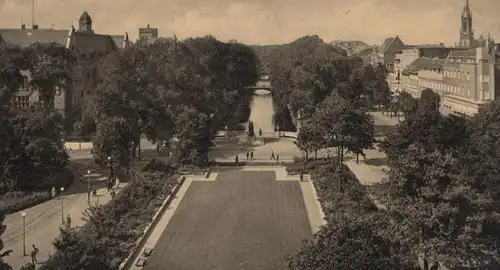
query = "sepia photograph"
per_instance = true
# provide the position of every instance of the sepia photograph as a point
(249, 135)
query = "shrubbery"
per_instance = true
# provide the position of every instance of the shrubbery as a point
(355, 236)
(112, 230)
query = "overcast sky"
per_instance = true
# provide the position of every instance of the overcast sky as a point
(266, 21)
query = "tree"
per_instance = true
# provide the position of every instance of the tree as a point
(33, 143)
(50, 66)
(11, 64)
(310, 138)
(3, 253)
(362, 134)
(349, 242)
(407, 103)
(382, 94)
(68, 244)
(114, 138)
(429, 102)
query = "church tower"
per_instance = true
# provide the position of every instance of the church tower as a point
(85, 23)
(466, 31)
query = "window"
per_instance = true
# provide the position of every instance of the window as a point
(22, 102)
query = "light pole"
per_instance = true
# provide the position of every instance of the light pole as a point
(88, 186)
(23, 214)
(62, 205)
(110, 167)
(278, 130)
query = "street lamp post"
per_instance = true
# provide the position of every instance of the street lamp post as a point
(88, 186)
(110, 167)
(62, 205)
(23, 214)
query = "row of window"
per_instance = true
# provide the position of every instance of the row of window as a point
(459, 90)
(79, 80)
(24, 102)
(457, 74)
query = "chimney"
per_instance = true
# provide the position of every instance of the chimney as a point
(23, 26)
(35, 26)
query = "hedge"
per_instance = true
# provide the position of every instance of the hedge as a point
(109, 238)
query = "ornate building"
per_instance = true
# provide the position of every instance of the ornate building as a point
(89, 48)
(466, 31)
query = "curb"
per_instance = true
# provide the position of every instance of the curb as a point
(127, 263)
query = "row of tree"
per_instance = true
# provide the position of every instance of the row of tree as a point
(185, 90)
(306, 71)
(443, 183)
(32, 155)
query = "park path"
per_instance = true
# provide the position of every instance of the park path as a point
(373, 170)
(42, 221)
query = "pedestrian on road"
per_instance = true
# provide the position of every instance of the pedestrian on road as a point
(301, 176)
(236, 159)
(34, 252)
(94, 192)
(260, 132)
(241, 148)
(251, 155)
(248, 155)
(272, 155)
(277, 157)
(53, 191)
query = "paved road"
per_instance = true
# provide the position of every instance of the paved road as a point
(43, 220)
(243, 220)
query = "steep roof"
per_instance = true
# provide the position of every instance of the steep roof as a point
(118, 39)
(386, 44)
(26, 37)
(90, 42)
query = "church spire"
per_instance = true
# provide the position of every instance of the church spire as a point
(466, 13)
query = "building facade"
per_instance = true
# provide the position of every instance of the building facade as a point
(88, 47)
(148, 34)
(464, 76)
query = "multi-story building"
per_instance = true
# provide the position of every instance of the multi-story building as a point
(386, 52)
(87, 46)
(463, 76)
(148, 34)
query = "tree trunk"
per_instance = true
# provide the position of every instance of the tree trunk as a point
(139, 149)
(315, 154)
(357, 158)
(307, 155)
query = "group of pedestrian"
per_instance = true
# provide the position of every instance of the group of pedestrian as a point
(275, 156)
(250, 155)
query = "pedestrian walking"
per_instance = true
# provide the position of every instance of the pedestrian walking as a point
(53, 191)
(260, 132)
(272, 155)
(34, 252)
(110, 181)
(301, 176)
(251, 155)
(94, 192)
(248, 155)
(236, 159)
(277, 157)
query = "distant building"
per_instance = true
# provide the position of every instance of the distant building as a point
(386, 52)
(148, 34)
(464, 76)
(90, 48)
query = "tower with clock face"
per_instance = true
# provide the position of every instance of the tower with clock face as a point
(466, 31)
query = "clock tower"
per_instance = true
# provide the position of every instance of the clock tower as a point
(466, 31)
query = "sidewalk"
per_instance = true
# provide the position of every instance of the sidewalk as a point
(43, 222)
(373, 170)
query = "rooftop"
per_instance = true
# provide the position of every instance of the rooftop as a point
(463, 53)
(26, 37)
(423, 63)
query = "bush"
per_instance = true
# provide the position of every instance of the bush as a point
(112, 230)
(309, 165)
(17, 201)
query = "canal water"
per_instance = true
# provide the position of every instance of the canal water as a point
(262, 111)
